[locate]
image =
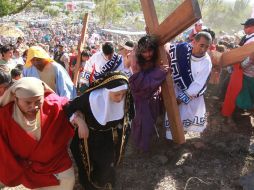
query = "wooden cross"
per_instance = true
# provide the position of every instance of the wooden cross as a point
(184, 16)
(236, 55)
(233, 56)
(80, 49)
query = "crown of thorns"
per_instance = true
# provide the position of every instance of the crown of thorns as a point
(147, 42)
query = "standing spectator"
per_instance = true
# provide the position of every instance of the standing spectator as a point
(16, 73)
(17, 56)
(5, 80)
(73, 56)
(103, 62)
(240, 88)
(197, 28)
(7, 53)
(125, 50)
(62, 57)
(85, 56)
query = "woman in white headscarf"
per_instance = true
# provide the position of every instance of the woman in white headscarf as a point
(34, 134)
(105, 106)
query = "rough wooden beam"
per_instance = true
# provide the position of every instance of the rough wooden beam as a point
(236, 55)
(80, 48)
(167, 86)
(183, 17)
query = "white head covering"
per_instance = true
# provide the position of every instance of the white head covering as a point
(129, 45)
(39, 52)
(25, 87)
(103, 108)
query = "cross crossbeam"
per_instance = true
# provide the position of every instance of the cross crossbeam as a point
(236, 55)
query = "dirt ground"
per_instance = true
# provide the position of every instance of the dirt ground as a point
(221, 158)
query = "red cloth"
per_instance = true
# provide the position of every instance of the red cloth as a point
(234, 87)
(73, 57)
(29, 162)
(93, 51)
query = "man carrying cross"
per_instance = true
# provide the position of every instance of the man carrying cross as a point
(191, 66)
(144, 86)
(173, 25)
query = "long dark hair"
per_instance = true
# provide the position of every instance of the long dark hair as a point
(144, 43)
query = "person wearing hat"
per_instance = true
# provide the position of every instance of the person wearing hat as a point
(240, 91)
(249, 31)
(40, 65)
(34, 137)
(126, 50)
(107, 111)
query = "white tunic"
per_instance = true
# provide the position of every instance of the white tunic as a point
(96, 62)
(193, 114)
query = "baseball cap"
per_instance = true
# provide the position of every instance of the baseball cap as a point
(249, 22)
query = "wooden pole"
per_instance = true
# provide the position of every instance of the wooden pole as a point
(167, 86)
(80, 48)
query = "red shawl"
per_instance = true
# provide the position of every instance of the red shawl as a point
(29, 162)
(234, 87)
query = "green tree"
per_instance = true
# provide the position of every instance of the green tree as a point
(109, 11)
(97, 1)
(216, 14)
(8, 7)
(40, 4)
(219, 15)
(51, 11)
(130, 6)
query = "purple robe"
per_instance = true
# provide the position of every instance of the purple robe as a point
(144, 87)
